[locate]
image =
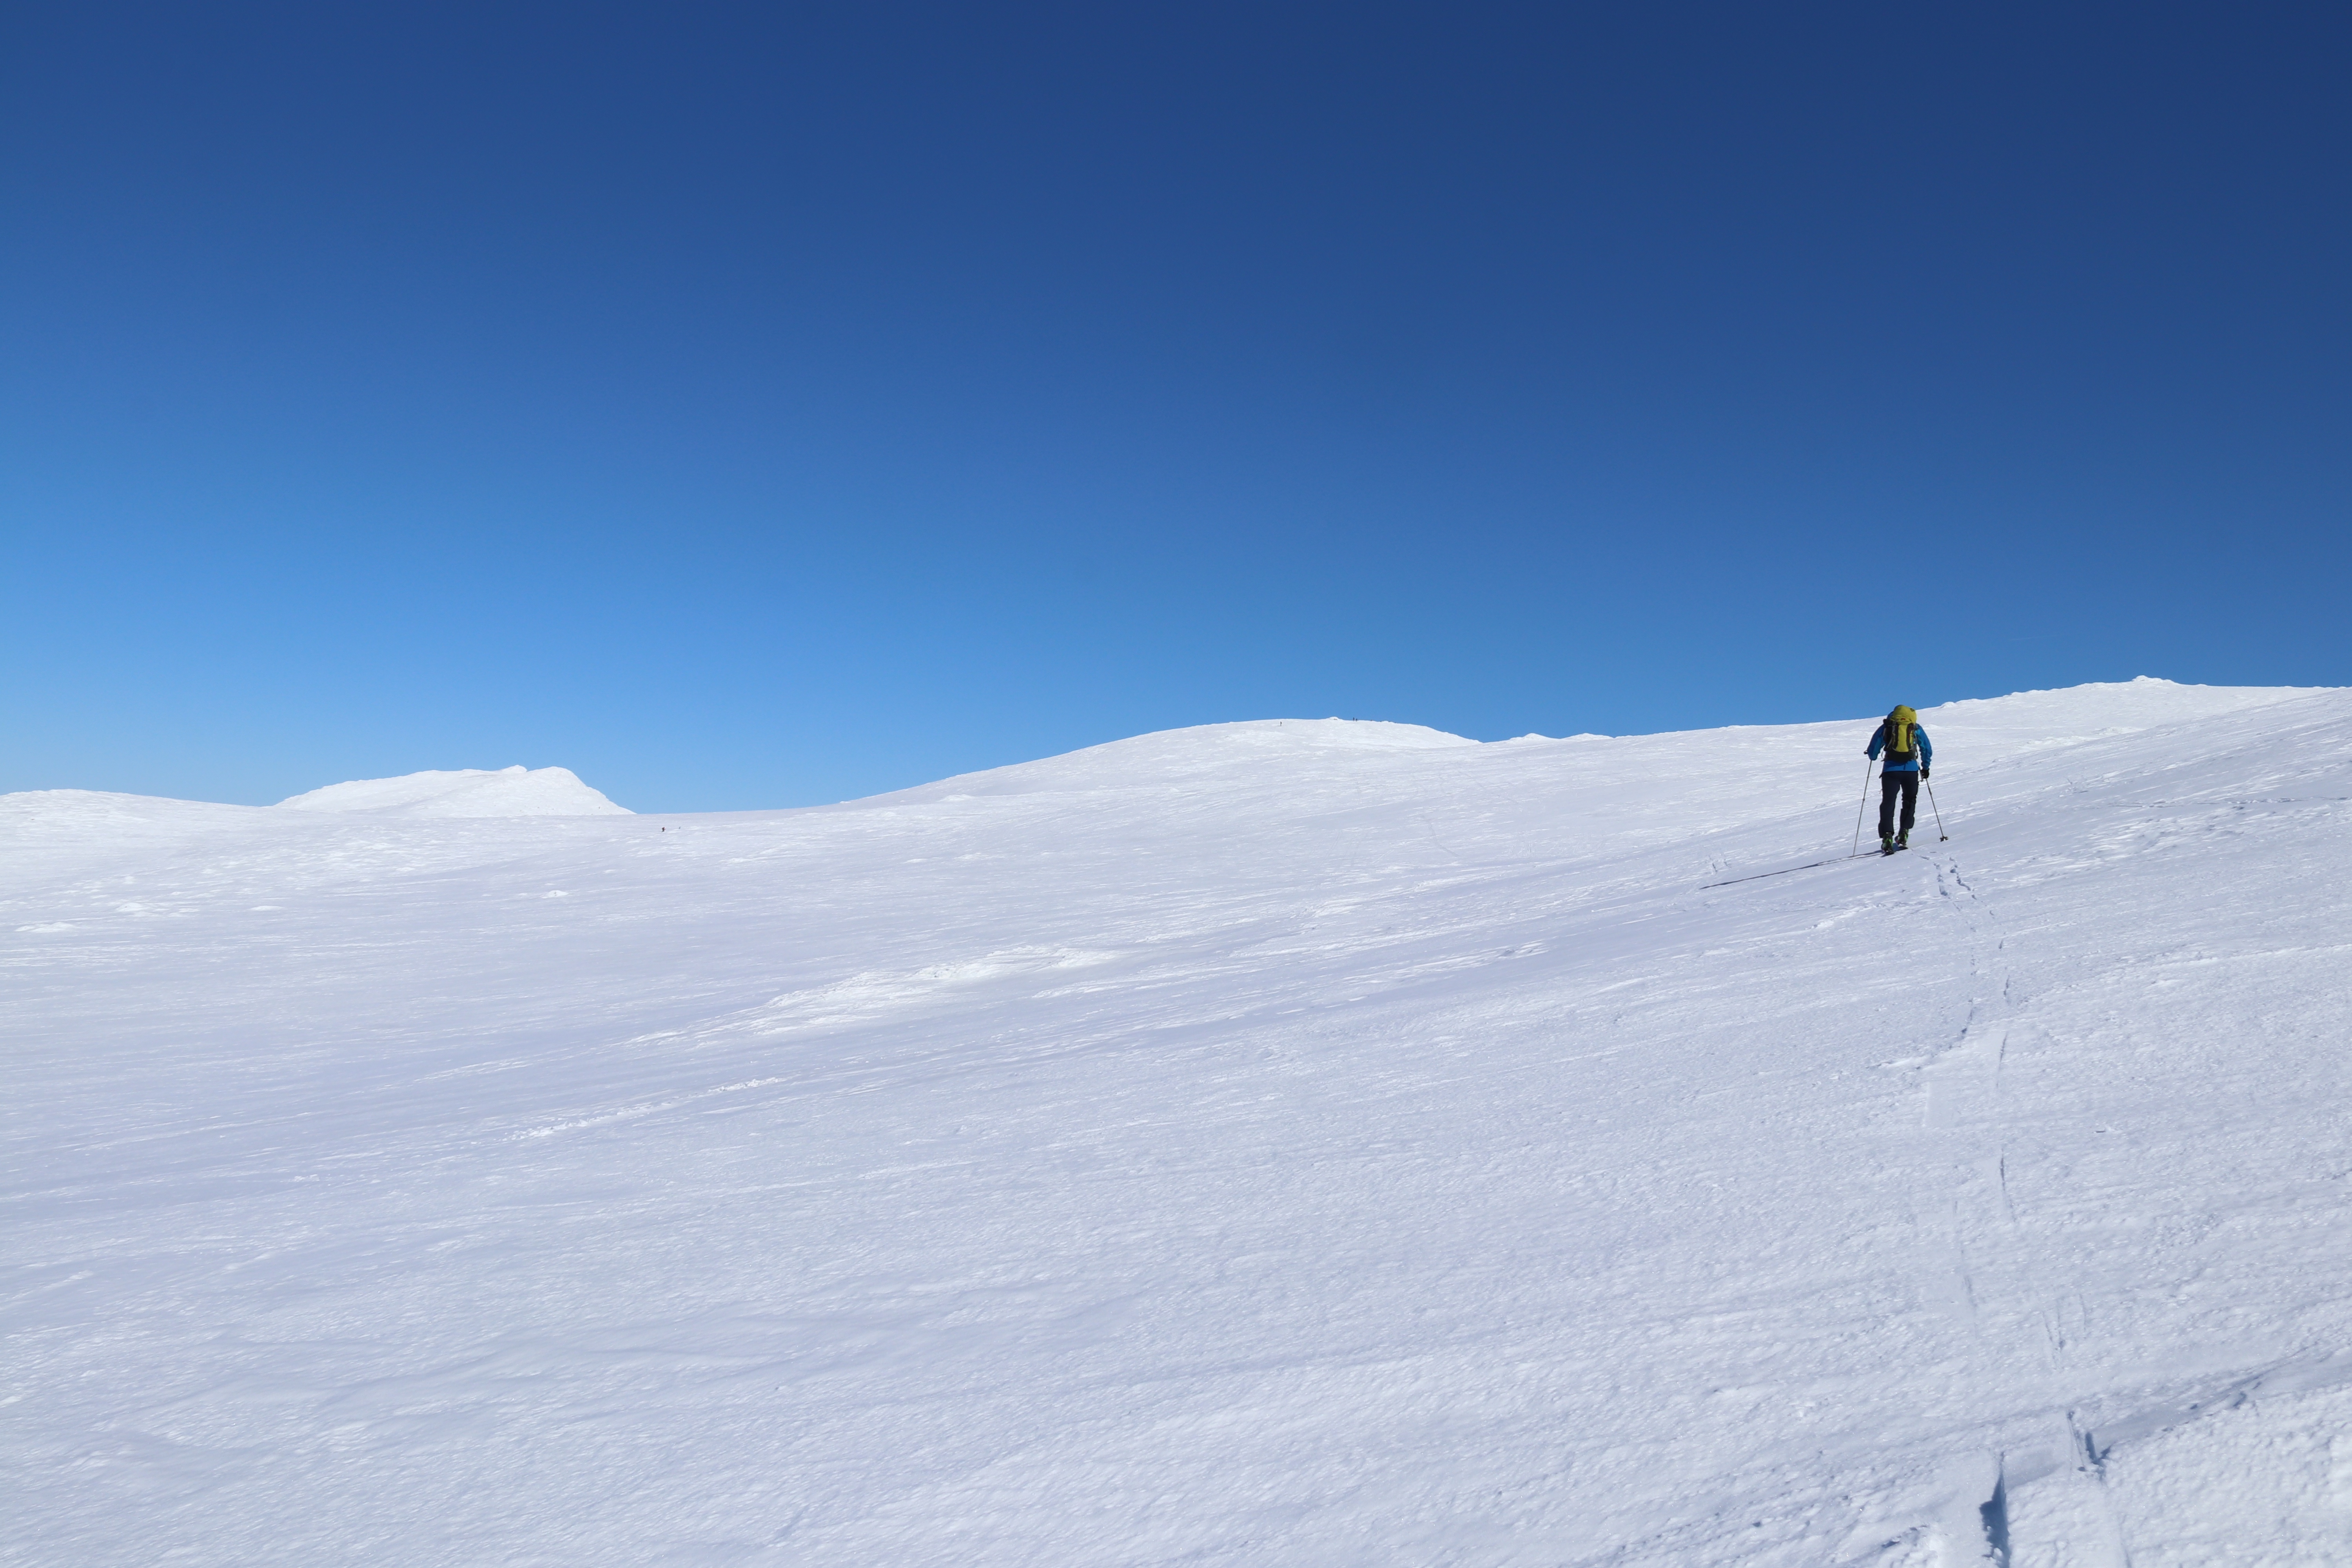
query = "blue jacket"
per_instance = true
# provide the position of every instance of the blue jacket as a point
(1922, 750)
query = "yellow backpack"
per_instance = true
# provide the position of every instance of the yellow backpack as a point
(1899, 725)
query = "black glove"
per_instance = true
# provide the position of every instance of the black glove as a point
(1922, 775)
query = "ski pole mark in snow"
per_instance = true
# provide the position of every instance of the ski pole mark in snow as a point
(2250, 1424)
(1972, 1525)
(1961, 1086)
(1962, 1109)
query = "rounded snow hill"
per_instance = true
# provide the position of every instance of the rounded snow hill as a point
(517, 791)
(1171, 756)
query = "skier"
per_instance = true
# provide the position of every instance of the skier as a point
(1907, 756)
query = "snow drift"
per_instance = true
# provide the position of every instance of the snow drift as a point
(1280, 1144)
(463, 792)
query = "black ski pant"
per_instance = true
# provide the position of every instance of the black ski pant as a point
(1890, 787)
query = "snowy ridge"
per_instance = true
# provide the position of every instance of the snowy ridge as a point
(1262, 746)
(463, 792)
(1258, 1145)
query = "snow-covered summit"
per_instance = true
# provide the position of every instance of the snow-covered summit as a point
(517, 791)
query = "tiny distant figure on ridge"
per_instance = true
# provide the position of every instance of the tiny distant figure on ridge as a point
(1908, 752)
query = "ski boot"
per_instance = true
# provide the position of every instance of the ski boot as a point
(1886, 843)
(1903, 839)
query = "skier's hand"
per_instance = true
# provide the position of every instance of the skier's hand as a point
(1922, 775)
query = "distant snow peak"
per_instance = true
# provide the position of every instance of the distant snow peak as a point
(517, 791)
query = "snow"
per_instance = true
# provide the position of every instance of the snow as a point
(463, 792)
(1301, 1142)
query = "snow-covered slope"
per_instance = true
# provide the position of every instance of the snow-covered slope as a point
(463, 792)
(1293, 1143)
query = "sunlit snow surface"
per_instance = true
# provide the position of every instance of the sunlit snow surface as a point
(1278, 1143)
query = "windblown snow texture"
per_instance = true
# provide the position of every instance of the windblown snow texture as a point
(1275, 1143)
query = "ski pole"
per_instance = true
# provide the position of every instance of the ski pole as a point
(1865, 807)
(1941, 836)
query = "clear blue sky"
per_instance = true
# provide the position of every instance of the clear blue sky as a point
(754, 406)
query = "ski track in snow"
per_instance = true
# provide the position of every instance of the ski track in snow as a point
(1300, 1142)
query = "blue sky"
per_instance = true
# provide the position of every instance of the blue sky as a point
(758, 405)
